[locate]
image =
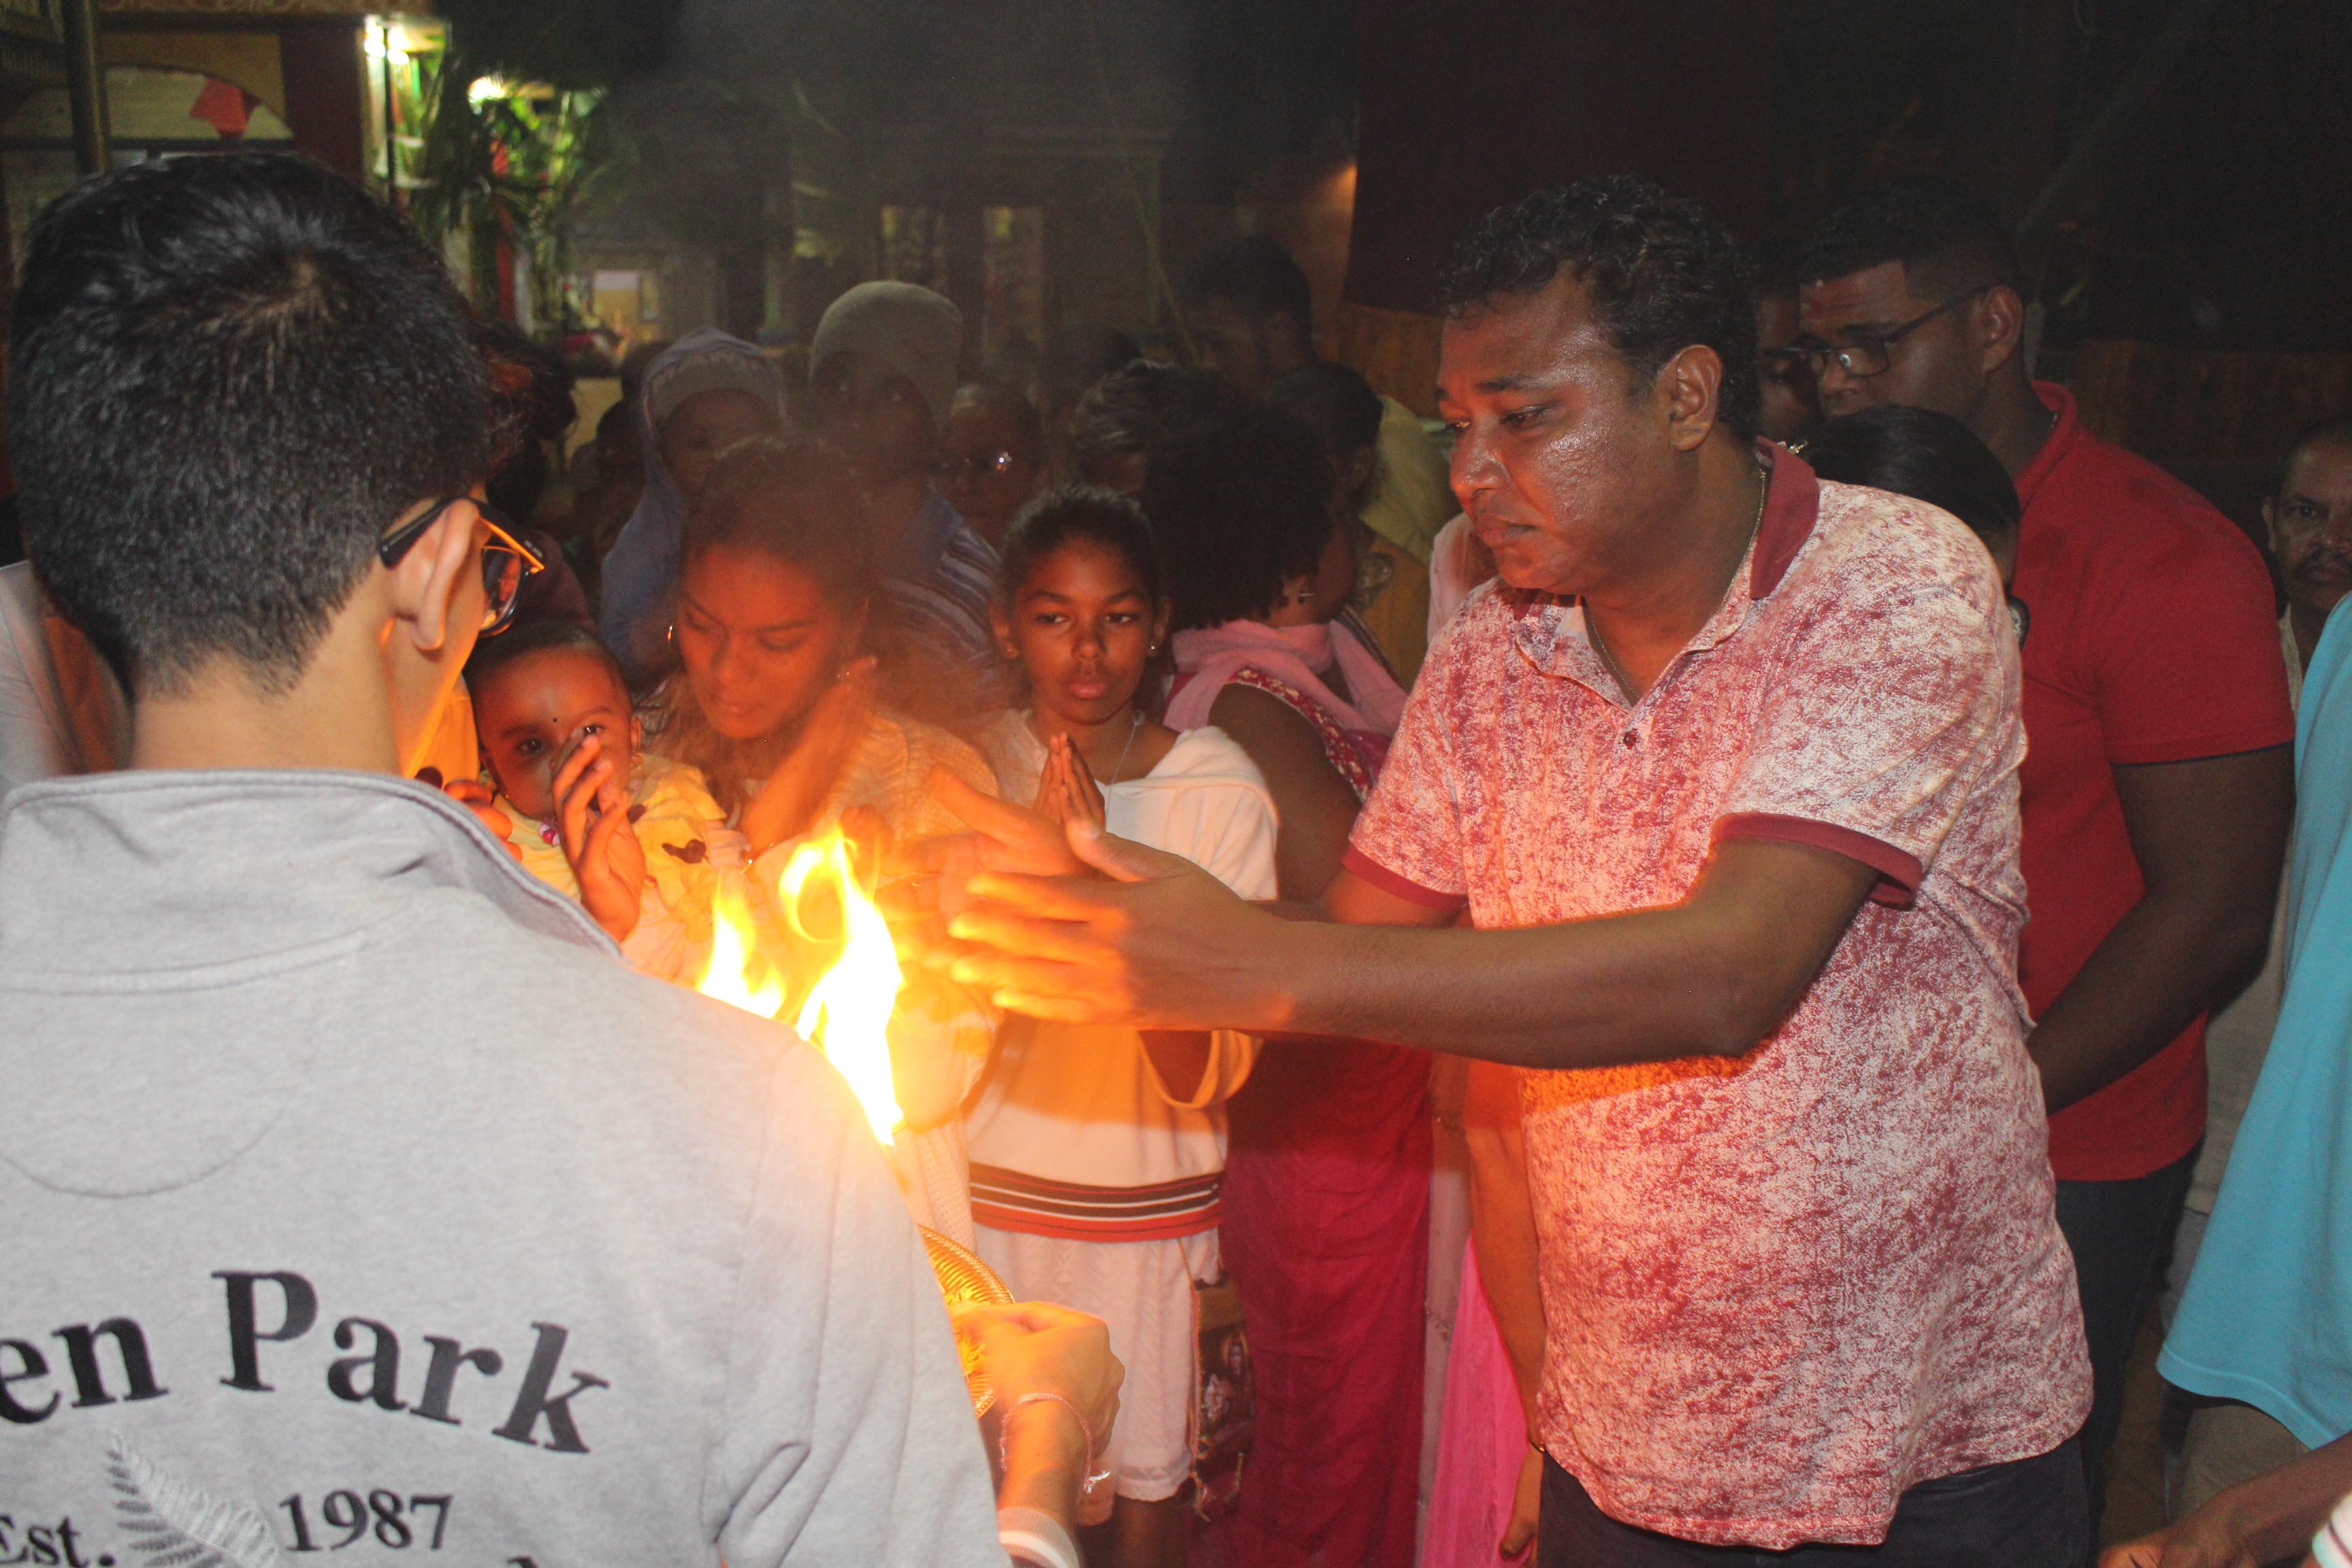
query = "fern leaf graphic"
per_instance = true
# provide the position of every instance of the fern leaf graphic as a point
(175, 1523)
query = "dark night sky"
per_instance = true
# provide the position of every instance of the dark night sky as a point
(2219, 221)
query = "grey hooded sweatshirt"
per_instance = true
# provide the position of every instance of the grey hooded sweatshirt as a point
(354, 1196)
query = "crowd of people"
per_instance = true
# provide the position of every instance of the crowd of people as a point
(1792, 812)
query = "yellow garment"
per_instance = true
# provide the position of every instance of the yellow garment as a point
(688, 851)
(1398, 617)
(1411, 495)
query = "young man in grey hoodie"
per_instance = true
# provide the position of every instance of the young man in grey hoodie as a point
(355, 1195)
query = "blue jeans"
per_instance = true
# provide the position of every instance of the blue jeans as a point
(2120, 1233)
(2026, 1514)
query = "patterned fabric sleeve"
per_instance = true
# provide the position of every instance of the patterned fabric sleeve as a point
(1894, 707)
(1407, 839)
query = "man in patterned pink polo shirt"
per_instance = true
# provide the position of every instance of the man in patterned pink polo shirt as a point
(1724, 771)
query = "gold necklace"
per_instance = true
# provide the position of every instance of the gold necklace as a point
(1592, 633)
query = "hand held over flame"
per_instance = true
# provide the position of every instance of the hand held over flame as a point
(930, 874)
(788, 802)
(1138, 937)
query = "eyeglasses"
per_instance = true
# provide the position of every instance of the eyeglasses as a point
(978, 465)
(1868, 356)
(506, 559)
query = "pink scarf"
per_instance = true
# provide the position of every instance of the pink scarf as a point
(1297, 656)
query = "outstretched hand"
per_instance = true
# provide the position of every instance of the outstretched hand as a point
(1154, 943)
(802, 780)
(929, 875)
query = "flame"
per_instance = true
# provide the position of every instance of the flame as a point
(845, 1011)
(735, 960)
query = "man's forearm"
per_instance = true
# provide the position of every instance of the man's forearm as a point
(2209, 835)
(1166, 946)
(2164, 963)
(2275, 1516)
(1710, 976)
(1502, 1224)
(1044, 1463)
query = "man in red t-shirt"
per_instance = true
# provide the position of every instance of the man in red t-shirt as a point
(2157, 787)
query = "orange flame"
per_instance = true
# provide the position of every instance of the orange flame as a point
(845, 1011)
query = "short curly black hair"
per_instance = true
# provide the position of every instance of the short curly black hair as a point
(1242, 504)
(1949, 238)
(1659, 271)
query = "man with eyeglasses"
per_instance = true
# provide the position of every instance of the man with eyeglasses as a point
(356, 1195)
(2157, 788)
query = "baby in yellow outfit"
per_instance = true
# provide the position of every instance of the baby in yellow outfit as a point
(637, 838)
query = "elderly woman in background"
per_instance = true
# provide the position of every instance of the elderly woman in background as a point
(882, 376)
(701, 396)
(1327, 1181)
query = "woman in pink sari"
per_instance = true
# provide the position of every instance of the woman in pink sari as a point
(1326, 1182)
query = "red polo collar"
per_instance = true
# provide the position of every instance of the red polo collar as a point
(1793, 503)
(2061, 439)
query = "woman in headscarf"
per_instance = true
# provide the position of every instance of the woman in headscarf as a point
(699, 396)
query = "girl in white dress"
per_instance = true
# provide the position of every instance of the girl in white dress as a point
(1096, 1151)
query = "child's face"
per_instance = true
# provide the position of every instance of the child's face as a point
(1084, 628)
(530, 713)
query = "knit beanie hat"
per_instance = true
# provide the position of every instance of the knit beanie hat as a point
(707, 360)
(915, 332)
